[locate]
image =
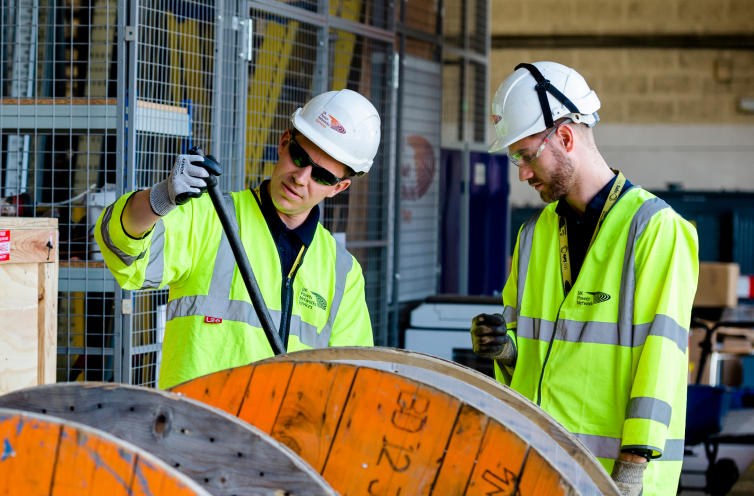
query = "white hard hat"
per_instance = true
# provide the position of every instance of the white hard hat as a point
(344, 124)
(534, 96)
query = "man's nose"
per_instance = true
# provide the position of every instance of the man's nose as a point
(303, 175)
(525, 173)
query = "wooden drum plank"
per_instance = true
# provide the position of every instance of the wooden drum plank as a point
(45, 455)
(488, 395)
(80, 459)
(218, 451)
(392, 436)
(462, 452)
(372, 431)
(28, 449)
(311, 409)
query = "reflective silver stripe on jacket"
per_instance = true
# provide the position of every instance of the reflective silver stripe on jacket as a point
(219, 305)
(639, 223)
(525, 243)
(622, 334)
(574, 331)
(647, 408)
(509, 314)
(127, 259)
(225, 262)
(156, 264)
(610, 447)
(343, 265)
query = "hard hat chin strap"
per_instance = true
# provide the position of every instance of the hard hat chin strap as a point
(543, 87)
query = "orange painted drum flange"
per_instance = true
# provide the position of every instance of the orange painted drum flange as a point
(220, 452)
(491, 397)
(373, 432)
(43, 455)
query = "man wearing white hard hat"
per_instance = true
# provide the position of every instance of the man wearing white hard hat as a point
(598, 303)
(312, 286)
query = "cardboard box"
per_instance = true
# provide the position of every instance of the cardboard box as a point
(718, 285)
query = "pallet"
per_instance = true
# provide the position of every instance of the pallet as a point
(370, 431)
(218, 451)
(43, 455)
(456, 379)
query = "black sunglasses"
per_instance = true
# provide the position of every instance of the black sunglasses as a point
(302, 159)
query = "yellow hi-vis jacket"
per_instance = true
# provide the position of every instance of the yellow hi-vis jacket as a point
(211, 324)
(610, 362)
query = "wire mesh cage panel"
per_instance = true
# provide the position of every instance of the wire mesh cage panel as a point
(281, 79)
(360, 215)
(466, 71)
(292, 61)
(188, 90)
(375, 13)
(58, 154)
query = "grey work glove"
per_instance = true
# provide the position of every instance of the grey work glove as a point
(184, 178)
(490, 339)
(628, 477)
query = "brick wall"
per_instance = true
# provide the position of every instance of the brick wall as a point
(652, 85)
(582, 17)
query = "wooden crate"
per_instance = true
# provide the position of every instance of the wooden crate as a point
(28, 303)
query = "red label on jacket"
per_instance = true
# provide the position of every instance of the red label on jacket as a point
(212, 320)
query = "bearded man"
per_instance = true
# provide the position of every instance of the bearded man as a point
(598, 303)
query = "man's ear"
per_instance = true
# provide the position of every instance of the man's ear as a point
(284, 138)
(342, 186)
(568, 135)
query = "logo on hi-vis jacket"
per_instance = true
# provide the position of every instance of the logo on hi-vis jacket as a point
(310, 299)
(589, 298)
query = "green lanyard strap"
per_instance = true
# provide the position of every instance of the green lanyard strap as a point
(565, 257)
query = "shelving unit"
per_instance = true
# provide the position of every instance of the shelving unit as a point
(98, 97)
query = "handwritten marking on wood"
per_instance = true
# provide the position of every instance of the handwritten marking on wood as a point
(512, 398)
(499, 463)
(460, 456)
(539, 479)
(391, 438)
(312, 409)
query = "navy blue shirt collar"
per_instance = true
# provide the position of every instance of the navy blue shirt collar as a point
(305, 232)
(595, 206)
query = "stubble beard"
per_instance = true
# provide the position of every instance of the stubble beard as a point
(560, 181)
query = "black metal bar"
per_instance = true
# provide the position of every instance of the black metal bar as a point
(242, 260)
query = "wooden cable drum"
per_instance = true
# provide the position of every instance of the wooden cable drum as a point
(44, 455)
(477, 389)
(374, 432)
(223, 454)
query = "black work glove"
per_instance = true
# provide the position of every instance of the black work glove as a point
(489, 337)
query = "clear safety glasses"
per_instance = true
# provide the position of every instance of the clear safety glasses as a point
(528, 155)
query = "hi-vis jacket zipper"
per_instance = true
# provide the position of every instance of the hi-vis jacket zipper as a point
(285, 317)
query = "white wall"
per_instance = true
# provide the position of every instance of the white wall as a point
(712, 157)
